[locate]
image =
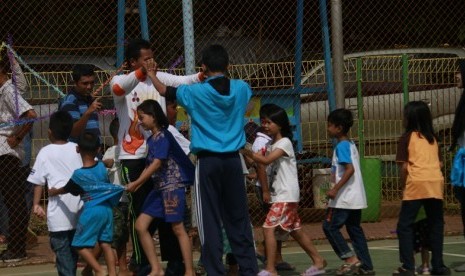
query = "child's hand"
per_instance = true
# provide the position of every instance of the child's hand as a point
(39, 211)
(266, 197)
(53, 192)
(131, 187)
(150, 66)
(332, 193)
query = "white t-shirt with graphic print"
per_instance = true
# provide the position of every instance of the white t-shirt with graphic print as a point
(284, 183)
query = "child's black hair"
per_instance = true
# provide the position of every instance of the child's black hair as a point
(418, 117)
(153, 108)
(278, 116)
(341, 117)
(216, 58)
(88, 142)
(80, 70)
(114, 127)
(61, 125)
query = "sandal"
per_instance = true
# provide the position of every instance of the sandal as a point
(348, 268)
(266, 273)
(313, 270)
(284, 266)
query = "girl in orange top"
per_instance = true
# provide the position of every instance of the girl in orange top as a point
(423, 182)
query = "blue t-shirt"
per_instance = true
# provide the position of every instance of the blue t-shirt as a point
(76, 105)
(217, 119)
(94, 187)
(176, 167)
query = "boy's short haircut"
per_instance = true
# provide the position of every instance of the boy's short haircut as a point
(88, 142)
(216, 58)
(80, 70)
(61, 125)
(114, 127)
(341, 117)
(133, 48)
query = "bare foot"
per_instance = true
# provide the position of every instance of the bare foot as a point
(321, 263)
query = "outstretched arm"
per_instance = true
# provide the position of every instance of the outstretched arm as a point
(56, 191)
(163, 80)
(144, 176)
(121, 85)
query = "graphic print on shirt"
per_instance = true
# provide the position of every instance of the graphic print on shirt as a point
(136, 139)
(272, 176)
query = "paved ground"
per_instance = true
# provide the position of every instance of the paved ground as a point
(383, 247)
(384, 254)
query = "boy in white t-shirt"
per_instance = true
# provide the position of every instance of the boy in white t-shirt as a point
(54, 166)
(347, 199)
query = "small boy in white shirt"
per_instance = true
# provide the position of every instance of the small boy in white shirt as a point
(54, 166)
(347, 199)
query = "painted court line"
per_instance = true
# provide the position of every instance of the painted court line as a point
(385, 247)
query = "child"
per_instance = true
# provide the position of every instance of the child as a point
(171, 114)
(284, 190)
(217, 107)
(261, 143)
(420, 174)
(172, 171)
(100, 196)
(54, 166)
(121, 211)
(346, 199)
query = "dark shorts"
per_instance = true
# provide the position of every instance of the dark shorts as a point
(120, 225)
(166, 204)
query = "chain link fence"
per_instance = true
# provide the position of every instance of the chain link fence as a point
(262, 38)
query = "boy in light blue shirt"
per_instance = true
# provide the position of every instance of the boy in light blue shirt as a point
(217, 107)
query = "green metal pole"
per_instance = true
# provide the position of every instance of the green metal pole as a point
(361, 130)
(405, 78)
